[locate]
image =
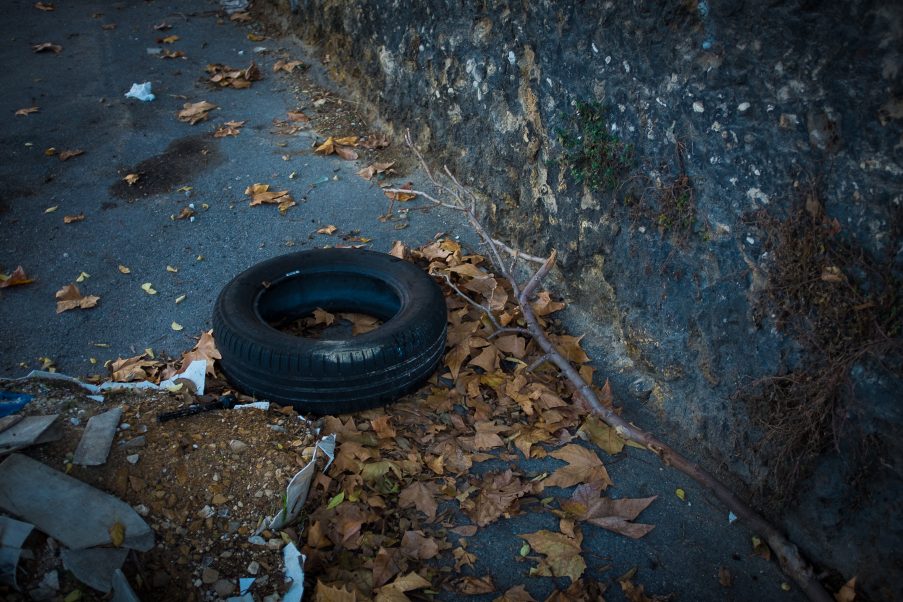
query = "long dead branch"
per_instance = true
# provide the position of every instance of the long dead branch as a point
(791, 561)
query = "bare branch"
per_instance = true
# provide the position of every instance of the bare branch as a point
(542, 359)
(791, 561)
(509, 330)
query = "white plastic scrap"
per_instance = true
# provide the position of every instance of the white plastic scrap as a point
(259, 405)
(294, 572)
(298, 487)
(141, 92)
(195, 373)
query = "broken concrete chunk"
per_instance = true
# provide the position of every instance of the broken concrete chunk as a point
(95, 566)
(31, 430)
(13, 534)
(66, 509)
(122, 591)
(95, 443)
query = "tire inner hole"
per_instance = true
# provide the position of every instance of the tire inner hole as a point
(328, 305)
(321, 324)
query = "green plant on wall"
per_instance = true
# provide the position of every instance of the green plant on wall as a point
(592, 153)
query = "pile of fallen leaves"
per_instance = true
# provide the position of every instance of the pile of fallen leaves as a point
(392, 517)
(230, 77)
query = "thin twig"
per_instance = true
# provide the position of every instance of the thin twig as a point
(542, 359)
(518, 254)
(467, 298)
(509, 330)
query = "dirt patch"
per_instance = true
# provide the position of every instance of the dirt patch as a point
(202, 483)
(181, 160)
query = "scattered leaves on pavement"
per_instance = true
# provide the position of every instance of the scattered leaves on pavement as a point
(297, 116)
(193, 112)
(44, 6)
(240, 17)
(131, 178)
(69, 219)
(69, 297)
(225, 76)
(16, 278)
(27, 111)
(172, 54)
(148, 288)
(230, 128)
(327, 229)
(261, 194)
(47, 47)
(583, 466)
(124, 269)
(171, 39)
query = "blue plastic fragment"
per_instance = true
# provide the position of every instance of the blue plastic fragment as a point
(10, 402)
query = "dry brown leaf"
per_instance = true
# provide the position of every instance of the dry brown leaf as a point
(68, 219)
(17, 278)
(847, 592)
(185, 213)
(473, 586)
(44, 6)
(131, 178)
(498, 492)
(562, 554)
(515, 594)
(297, 116)
(416, 545)
(420, 496)
(375, 141)
(27, 111)
(204, 350)
(602, 435)
(330, 229)
(382, 426)
(193, 112)
(583, 466)
(172, 54)
(168, 39)
(225, 76)
(569, 346)
(588, 504)
(725, 579)
(398, 250)
(544, 305)
(286, 65)
(260, 194)
(68, 154)
(328, 593)
(69, 297)
(401, 196)
(230, 128)
(47, 47)
(240, 17)
(376, 168)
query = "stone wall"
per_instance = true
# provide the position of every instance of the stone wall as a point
(737, 113)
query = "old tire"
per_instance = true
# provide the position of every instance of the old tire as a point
(330, 376)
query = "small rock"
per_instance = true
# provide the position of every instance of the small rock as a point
(743, 107)
(75, 421)
(206, 512)
(253, 567)
(238, 446)
(51, 580)
(133, 459)
(142, 428)
(125, 426)
(209, 575)
(219, 499)
(224, 587)
(142, 509)
(257, 540)
(275, 544)
(642, 387)
(698, 107)
(135, 442)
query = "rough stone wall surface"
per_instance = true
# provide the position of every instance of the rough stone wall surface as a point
(759, 100)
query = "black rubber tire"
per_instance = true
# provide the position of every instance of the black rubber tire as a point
(330, 376)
